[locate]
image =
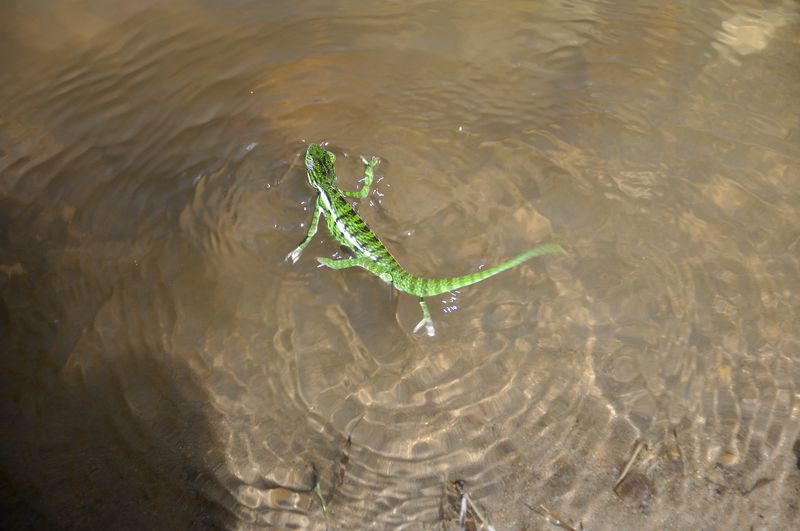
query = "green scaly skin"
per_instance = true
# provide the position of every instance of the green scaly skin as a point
(351, 231)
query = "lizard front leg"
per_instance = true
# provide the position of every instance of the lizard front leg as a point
(362, 192)
(294, 256)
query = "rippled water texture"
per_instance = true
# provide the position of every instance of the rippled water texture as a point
(163, 367)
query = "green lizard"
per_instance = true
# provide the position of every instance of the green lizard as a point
(351, 231)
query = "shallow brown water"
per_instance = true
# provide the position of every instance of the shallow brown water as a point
(163, 367)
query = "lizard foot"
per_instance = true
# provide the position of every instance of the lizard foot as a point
(294, 256)
(427, 322)
(370, 163)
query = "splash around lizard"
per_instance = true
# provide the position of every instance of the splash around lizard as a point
(351, 231)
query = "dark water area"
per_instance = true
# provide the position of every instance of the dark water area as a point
(163, 367)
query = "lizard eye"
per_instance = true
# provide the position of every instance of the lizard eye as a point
(309, 164)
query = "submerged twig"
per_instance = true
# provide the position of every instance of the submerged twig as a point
(466, 502)
(551, 517)
(338, 474)
(462, 514)
(640, 444)
(318, 491)
(477, 512)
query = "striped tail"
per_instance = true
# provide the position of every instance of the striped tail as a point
(428, 287)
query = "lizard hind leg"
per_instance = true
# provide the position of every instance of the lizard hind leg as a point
(339, 264)
(426, 321)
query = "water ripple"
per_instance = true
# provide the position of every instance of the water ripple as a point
(151, 185)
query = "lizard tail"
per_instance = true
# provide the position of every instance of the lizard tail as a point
(427, 287)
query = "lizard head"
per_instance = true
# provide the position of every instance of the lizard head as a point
(320, 165)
